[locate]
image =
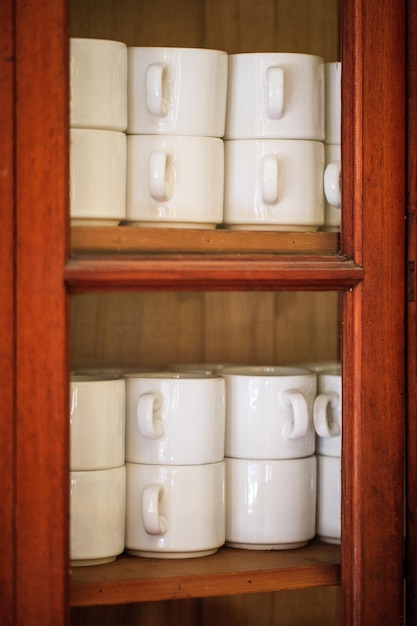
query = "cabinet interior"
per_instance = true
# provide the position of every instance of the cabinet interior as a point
(138, 329)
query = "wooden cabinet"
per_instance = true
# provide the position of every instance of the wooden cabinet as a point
(48, 291)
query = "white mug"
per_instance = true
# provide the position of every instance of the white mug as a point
(275, 96)
(333, 75)
(175, 181)
(177, 91)
(175, 511)
(270, 504)
(98, 84)
(332, 187)
(274, 184)
(97, 177)
(269, 412)
(97, 515)
(328, 521)
(327, 413)
(97, 422)
(175, 418)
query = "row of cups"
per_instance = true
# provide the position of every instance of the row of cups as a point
(203, 182)
(189, 418)
(174, 493)
(176, 104)
(203, 92)
(188, 511)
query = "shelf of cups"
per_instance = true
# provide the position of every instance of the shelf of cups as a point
(228, 572)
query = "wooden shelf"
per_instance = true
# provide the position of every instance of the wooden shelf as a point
(228, 572)
(129, 239)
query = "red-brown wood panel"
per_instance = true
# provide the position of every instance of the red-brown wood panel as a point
(373, 147)
(6, 313)
(411, 430)
(42, 471)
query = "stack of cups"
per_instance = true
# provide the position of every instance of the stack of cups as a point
(332, 174)
(270, 460)
(175, 152)
(274, 151)
(98, 473)
(98, 118)
(175, 502)
(327, 414)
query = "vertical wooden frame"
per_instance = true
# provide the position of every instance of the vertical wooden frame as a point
(7, 331)
(42, 466)
(411, 427)
(373, 145)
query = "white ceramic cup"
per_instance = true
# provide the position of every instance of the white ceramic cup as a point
(269, 412)
(275, 95)
(175, 418)
(98, 84)
(175, 181)
(328, 521)
(271, 504)
(332, 187)
(97, 177)
(97, 515)
(177, 91)
(327, 413)
(97, 422)
(274, 184)
(175, 511)
(332, 74)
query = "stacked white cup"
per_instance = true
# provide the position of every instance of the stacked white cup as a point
(270, 460)
(333, 170)
(175, 152)
(175, 481)
(98, 119)
(98, 473)
(327, 413)
(274, 151)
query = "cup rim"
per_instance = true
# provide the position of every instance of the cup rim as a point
(265, 371)
(170, 375)
(182, 49)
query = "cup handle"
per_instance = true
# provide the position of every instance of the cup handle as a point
(275, 92)
(270, 179)
(159, 187)
(156, 104)
(332, 191)
(153, 523)
(321, 423)
(299, 427)
(148, 416)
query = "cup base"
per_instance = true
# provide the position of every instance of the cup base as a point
(189, 225)
(91, 221)
(88, 562)
(266, 546)
(333, 540)
(171, 555)
(288, 228)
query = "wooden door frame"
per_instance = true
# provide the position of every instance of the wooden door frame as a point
(411, 423)
(373, 155)
(7, 332)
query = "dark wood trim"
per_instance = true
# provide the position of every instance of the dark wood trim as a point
(411, 425)
(231, 272)
(373, 364)
(42, 487)
(7, 380)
